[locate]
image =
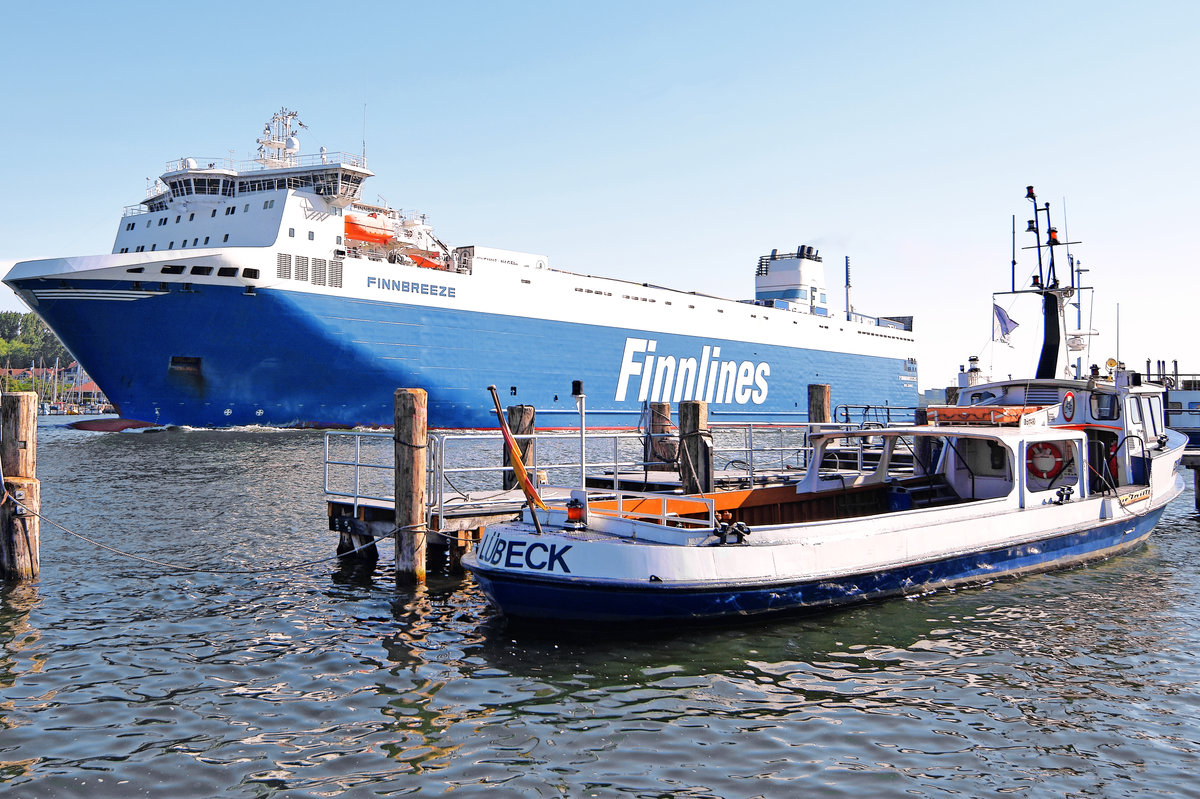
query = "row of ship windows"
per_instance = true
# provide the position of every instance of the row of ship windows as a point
(171, 244)
(177, 269)
(192, 216)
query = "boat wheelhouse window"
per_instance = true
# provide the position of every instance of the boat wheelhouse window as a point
(171, 246)
(178, 217)
(292, 232)
(226, 237)
(246, 208)
(183, 243)
(981, 397)
(227, 271)
(172, 269)
(231, 210)
(252, 274)
(339, 239)
(195, 241)
(214, 212)
(140, 248)
(153, 247)
(206, 239)
(191, 217)
(202, 270)
(1105, 407)
(1154, 413)
(310, 235)
(124, 249)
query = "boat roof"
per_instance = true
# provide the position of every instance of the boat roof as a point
(1009, 435)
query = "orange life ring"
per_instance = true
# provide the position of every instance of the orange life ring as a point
(1044, 460)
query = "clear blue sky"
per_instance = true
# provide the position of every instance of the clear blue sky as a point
(667, 142)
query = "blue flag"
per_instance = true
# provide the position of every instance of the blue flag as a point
(1001, 324)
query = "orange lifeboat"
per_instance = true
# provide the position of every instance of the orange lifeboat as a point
(980, 414)
(424, 260)
(372, 228)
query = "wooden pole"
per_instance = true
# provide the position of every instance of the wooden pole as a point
(20, 529)
(662, 449)
(521, 422)
(411, 435)
(818, 403)
(695, 457)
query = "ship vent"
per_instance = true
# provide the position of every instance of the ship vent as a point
(283, 266)
(318, 271)
(1041, 395)
(301, 267)
(335, 273)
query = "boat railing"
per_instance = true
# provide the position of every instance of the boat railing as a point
(761, 449)
(675, 510)
(288, 162)
(464, 469)
(864, 415)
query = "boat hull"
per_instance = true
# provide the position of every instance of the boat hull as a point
(522, 595)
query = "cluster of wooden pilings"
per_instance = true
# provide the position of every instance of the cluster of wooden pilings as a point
(20, 528)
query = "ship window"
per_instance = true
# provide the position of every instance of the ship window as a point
(246, 207)
(227, 271)
(226, 237)
(172, 269)
(191, 217)
(264, 205)
(171, 246)
(206, 239)
(135, 286)
(124, 249)
(292, 232)
(310, 235)
(153, 247)
(183, 243)
(136, 269)
(163, 287)
(139, 249)
(202, 270)
(214, 213)
(1105, 407)
(339, 239)
(177, 218)
(195, 241)
(148, 221)
(252, 274)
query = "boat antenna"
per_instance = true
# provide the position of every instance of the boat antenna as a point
(364, 138)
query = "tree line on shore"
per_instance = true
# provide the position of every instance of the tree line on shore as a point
(25, 340)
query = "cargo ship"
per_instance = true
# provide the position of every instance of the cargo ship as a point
(268, 292)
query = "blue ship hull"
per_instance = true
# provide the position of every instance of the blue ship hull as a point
(524, 596)
(213, 356)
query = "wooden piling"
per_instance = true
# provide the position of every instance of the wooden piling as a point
(695, 455)
(819, 403)
(20, 528)
(411, 436)
(521, 423)
(662, 449)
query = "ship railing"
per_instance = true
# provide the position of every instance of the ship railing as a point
(287, 162)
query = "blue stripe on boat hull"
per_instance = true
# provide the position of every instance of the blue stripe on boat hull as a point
(296, 359)
(521, 597)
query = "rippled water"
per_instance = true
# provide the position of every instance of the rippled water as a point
(125, 678)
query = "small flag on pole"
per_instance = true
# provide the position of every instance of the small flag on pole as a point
(514, 452)
(1002, 326)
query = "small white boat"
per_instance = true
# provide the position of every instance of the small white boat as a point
(1022, 476)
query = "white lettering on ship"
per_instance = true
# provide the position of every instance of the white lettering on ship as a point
(668, 378)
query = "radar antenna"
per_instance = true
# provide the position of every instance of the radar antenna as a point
(279, 144)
